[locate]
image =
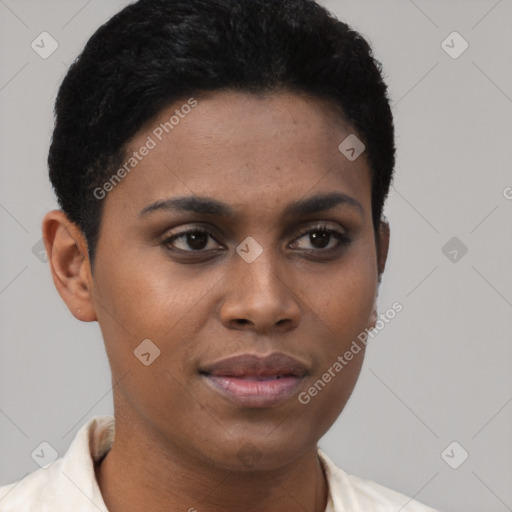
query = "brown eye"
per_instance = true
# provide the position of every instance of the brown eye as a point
(322, 238)
(193, 240)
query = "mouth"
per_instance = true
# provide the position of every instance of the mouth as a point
(249, 380)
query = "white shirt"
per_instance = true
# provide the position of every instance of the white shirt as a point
(69, 483)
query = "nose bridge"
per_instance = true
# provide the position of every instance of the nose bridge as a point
(263, 273)
(259, 294)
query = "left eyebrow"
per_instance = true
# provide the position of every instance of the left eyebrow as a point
(321, 203)
(207, 205)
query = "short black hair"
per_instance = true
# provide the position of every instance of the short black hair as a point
(155, 52)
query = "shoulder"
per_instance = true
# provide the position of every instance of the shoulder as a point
(35, 489)
(349, 492)
(68, 483)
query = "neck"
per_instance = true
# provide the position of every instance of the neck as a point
(130, 481)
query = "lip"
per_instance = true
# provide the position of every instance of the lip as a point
(250, 380)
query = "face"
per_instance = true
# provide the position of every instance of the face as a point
(279, 268)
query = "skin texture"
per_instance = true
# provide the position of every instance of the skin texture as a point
(178, 441)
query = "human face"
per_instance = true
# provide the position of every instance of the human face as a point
(196, 298)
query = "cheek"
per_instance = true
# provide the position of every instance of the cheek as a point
(343, 299)
(148, 303)
(329, 391)
(145, 295)
(343, 309)
(154, 301)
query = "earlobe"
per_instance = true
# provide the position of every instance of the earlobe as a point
(374, 317)
(66, 248)
(382, 255)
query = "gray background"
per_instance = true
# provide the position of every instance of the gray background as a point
(440, 372)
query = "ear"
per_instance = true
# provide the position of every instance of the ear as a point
(382, 241)
(66, 248)
(382, 246)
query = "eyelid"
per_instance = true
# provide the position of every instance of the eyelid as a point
(210, 232)
(319, 226)
(341, 235)
(297, 235)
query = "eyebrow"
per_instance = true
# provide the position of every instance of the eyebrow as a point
(207, 205)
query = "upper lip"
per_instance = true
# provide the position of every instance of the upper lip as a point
(252, 365)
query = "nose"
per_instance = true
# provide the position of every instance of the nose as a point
(260, 296)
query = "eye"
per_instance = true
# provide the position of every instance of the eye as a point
(322, 238)
(195, 239)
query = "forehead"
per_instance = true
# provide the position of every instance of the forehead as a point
(252, 151)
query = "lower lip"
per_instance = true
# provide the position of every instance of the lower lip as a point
(255, 393)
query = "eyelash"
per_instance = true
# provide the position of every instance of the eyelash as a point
(343, 239)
